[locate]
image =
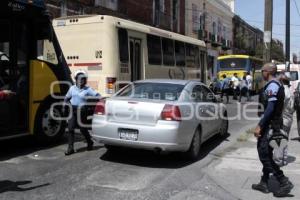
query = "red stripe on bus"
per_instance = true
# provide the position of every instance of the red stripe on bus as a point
(70, 65)
(87, 64)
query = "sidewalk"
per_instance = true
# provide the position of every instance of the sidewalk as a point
(239, 168)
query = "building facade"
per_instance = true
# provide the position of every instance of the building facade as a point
(165, 14)
(211, 21)
(246, 38)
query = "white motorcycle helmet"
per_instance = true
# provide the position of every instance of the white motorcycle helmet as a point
(80, 72)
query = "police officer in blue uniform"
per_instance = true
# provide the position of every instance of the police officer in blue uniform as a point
(272, 119)
(77, 96)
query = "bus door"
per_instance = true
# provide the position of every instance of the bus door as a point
(14, 50)
(135, 58)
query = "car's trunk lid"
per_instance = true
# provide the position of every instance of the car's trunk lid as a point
(134, 111)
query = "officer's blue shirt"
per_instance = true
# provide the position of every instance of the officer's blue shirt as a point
(78, 96)
(271, 94)
(272, 91)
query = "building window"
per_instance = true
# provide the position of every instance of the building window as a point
(195, 18)
(175, 10)
(201, 21)
(214, 26)
(154, 50)
(162, 5)
(63, 8)
(110, 4)
(219, 27)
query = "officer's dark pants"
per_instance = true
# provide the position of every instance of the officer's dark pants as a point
(76, 122)
(265, 153)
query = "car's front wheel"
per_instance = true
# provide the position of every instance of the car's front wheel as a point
(194, 150)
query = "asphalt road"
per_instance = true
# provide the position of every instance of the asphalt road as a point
(29, 171)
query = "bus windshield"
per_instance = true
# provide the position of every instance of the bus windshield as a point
(233, 63)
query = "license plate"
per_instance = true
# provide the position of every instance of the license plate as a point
(128, 134)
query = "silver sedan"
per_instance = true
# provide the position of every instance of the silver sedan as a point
(160, 115)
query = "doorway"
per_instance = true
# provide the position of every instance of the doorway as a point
(14, 62)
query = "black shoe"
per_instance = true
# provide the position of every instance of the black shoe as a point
(69, 152)
(90, 146)
(262, 186)
(286, 187)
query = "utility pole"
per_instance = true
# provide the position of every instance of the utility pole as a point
(287, 35)
(268, 29)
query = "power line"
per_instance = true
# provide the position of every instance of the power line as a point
(297, 7)
(278, 24)
(284, 34)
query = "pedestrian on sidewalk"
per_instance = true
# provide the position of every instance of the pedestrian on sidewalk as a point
(281, 154)
(244, 89)
(236, 85)
(271, 120)
(225, 88)
(289, 104)
(77, 96)
(249, 79)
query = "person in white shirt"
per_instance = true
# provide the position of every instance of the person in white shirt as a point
(236, 85)
(244, 88)
(249, 79)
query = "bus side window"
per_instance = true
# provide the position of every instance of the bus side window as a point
(179, 53)
(168, 52)
(190, 55)
(123, 45)
(154, 50)
(46, 51)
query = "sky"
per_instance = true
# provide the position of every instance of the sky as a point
(252, 11)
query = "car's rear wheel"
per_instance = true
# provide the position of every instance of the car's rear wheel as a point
(194, 150)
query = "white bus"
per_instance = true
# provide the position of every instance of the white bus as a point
(294, 74)
(111, 49)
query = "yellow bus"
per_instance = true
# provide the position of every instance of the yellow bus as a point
(241, 64)
(31, 62)
(111, 49)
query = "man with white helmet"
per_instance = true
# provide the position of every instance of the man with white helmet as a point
(77, 96)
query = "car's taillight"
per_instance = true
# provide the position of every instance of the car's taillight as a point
(110, 85)
(100, 107)
(171, 113)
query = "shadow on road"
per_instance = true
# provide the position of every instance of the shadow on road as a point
(151, 159)
(11, 186)
(27, 145)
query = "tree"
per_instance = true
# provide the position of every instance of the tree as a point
(259, 50)
(277, 52)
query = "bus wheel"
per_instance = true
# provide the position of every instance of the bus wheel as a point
(48, 128)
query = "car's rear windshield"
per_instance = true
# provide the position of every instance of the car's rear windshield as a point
(157, 91)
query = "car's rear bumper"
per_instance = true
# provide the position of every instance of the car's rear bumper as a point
(164, 136)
